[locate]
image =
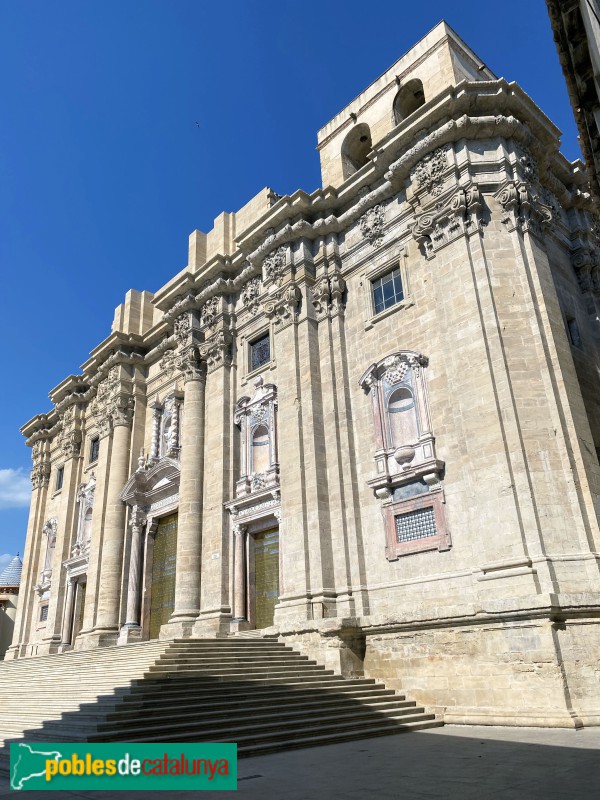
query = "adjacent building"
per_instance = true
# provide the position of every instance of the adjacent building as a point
(576, 28)
(10, 578)
(364, 419)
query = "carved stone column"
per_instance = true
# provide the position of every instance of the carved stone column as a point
(189, 530)
(138, 519)
(107, 619)
(240, 613)
(26, 620)
(67, 622)
(157, 411)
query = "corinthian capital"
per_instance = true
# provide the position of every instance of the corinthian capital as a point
(217, 351)
(190, 364)
(40, 475)
(121, 412)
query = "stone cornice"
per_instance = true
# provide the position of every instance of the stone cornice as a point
(471, 110)
(311, 216)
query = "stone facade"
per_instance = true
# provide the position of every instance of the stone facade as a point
(374, 410)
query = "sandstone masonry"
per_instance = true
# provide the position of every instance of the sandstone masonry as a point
(364, 420)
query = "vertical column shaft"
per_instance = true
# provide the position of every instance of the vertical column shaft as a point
(114, 530)
(239, 588)
(67, 623)
(132, 619)
(189, 529)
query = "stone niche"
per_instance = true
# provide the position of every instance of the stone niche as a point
(408, 473)
(257, 419)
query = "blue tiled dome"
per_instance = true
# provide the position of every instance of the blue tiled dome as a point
(11, 575)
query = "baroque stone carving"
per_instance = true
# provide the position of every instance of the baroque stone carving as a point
(371, 225)
(327, 296)
(167, 362)
(217, 351)
(282, 307)
(428, 173)
(250, 295)
(85, 498)
(462, 215)
(274, 265)
(70, 436)
(258, 481)
(523, 209)
(528, 166)
(321, 296)
(210, 311)
(121, 411)
(40, 475)
(190, 365)
(182, 328)
(393, 369)
(405, 453)
(109, 406)
(258, 414)
(586, 262)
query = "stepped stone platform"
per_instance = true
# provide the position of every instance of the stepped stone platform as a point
(259, 693)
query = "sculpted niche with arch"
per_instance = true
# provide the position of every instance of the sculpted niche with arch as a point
(408, 472)
(257, 419)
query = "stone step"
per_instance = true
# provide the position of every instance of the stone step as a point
(251, 669)
(260, 693)
(264, 726)
(224, 708)
(272, 676)
(73, 725)
(270, 733)
(234, 658)
(247, 749)
(175, 692)
(312, 700)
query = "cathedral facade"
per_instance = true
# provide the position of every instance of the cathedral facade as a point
(364, 420)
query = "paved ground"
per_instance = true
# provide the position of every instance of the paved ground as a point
(448, 763)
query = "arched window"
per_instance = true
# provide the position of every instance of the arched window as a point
(409, 98)
(355, 148)
(260, 450)
(404, 429)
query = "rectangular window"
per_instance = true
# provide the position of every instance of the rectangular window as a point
(574, 335)
(416, 524)
(94, 449)
(43, 613)
(260, 352)
(60, 474)
(387, 290)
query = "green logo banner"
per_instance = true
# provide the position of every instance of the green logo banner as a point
(86, 766)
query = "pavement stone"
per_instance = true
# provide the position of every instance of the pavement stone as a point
(454, 762)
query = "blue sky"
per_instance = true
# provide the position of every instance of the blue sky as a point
(104, 172)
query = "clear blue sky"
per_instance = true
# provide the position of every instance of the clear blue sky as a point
(104, 173)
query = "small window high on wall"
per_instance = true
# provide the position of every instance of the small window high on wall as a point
(410, 97)
(355, 149)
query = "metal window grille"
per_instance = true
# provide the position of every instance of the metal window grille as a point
(387, 290)
(43, 613)
(418, 524)
(260, 352)
(94, 449)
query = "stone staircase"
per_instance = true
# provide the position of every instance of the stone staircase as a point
(258, 693)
